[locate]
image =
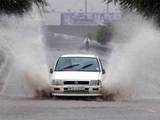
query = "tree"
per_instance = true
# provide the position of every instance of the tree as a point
(148, 8)
(19, 7)
(103, 34)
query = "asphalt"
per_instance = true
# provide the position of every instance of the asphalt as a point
(59, 109)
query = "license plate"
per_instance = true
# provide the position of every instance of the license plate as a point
(76, 88)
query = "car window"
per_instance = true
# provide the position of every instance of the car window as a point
(77, 64)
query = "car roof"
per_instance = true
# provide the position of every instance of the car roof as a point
(79, 55)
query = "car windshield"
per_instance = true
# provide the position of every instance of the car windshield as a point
(77, 64)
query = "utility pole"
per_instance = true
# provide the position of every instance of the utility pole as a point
(86, 7)
(107, 8)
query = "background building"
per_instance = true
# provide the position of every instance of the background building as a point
(89, 18)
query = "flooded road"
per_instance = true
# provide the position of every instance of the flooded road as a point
(31, 109)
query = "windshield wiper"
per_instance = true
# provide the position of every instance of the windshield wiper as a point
(70, 66)
(88, 65)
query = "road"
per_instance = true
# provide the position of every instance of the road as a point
(32, 109)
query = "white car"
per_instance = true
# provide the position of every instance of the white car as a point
(76, 75)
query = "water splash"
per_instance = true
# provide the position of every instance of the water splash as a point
(134, 62)
(22, 49)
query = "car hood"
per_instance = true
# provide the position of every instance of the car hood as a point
(68, 75)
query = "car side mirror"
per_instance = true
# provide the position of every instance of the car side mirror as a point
(103, 71)
(51, 70)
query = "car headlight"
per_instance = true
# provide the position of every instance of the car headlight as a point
(95, 82)
(57, 82)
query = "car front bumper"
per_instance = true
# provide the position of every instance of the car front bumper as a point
(75, 90)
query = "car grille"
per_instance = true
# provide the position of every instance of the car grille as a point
(76, 82)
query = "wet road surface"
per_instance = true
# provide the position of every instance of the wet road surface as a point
(32, 109)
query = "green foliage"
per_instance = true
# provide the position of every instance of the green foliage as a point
(148, 8)
(102, 35)
(19, 7)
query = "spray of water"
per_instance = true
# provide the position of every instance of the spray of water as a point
(134, 63)
(133, 66)
(23, 67)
